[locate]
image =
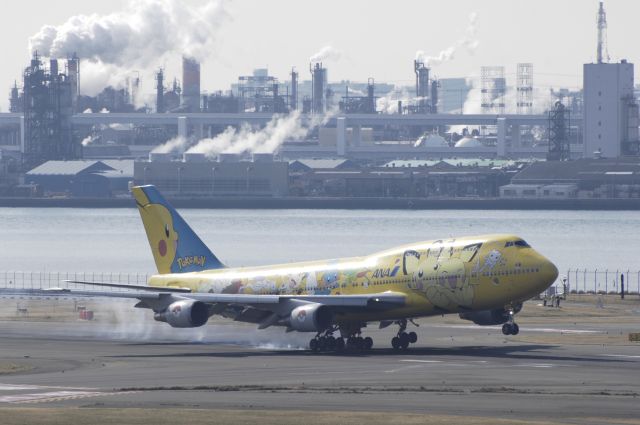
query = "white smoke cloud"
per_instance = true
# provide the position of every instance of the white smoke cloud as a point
(88, 140)
(248, 139)
(469, 42)
(389, 104)
(326, 53)
(138, 36)
(177, 144)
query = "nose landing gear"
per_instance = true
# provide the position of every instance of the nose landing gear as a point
(403, 339)
(511, 327)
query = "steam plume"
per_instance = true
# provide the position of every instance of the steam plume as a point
(177, 144)
(326, 53)
(247, 139)
(468, 42)
(138, 36)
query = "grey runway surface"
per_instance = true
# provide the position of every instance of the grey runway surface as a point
(463, 370)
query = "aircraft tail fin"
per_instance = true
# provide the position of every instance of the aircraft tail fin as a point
(176, 248)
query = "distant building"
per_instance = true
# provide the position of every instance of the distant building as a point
(453, 93)
(196, 176)
(584, 178)
(94, 179)
(610, 110)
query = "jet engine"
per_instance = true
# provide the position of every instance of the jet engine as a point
(496, 316)
(311, 318)
(184, 314)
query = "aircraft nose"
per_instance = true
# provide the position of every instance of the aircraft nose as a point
(549, 272)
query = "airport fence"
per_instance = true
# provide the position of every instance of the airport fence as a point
(48, 280)
(601, 281)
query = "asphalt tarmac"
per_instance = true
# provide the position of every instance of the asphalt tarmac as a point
(454, 369)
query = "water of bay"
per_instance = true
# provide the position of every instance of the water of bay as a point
(113, 240)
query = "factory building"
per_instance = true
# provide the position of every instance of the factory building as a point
(82, 178)
(610, 110)
(48, 107)
(583, 178)
(195, 175)
(436, 179)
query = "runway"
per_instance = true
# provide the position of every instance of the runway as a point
(452, 370)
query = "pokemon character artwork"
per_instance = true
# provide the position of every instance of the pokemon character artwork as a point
(175, 247)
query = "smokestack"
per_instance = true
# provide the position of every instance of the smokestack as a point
(160, 108)
(191, 84)
(318, 81)
(73, 71)
(422, 85)
(603, 54)
(294, 90)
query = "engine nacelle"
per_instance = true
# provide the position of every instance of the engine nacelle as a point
(311, 318)
(496, 316)
(184, 314)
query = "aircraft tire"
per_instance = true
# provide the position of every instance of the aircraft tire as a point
(395, 343)
(413, 337)
(339, 344)
(330, 343)
(313, 345)
(367, 343)
(404, 339)
(515, 329)
(506, 329)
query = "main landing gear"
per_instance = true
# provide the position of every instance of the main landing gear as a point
(511, 327)
(326, 342)
(403, 339)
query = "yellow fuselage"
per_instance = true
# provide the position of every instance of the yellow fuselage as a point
(437, 277)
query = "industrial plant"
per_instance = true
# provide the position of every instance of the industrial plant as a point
(303, 134)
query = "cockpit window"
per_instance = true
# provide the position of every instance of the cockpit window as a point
(520, 243)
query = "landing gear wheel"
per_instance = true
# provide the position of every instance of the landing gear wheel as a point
(330, 343)
(339, 344)
(368, 343)
(506, 329)
(515, 329)
(413, 337)
(313, 345)
(404, 340)
(395, 343)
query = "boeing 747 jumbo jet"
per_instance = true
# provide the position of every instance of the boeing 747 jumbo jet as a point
(484, 279)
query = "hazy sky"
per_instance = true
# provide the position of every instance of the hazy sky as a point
(376, 39)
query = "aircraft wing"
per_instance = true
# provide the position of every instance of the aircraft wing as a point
(241, 307)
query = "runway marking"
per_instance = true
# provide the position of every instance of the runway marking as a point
(421, 361)
(9, 387)
(541, 365)
(621, 355)
(18, 387)
(402, 368)
(47, 396)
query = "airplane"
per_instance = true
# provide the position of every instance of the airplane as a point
(484, 279)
